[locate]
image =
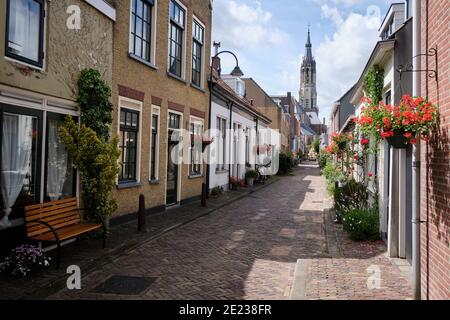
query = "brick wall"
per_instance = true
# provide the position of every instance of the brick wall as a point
(435, 170)
(153, 87)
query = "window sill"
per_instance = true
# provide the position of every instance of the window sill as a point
(198, 88)
(154, 182)
(195, 176)
(174, 76)
(221, 171)
(138, 59)
(38, 67)
(128, 185)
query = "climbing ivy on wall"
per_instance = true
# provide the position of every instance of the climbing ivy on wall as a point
(94, 101)
(373, 84)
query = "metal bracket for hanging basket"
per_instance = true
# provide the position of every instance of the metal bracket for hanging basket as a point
(433, 74)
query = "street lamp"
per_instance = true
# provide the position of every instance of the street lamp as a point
(237, 72)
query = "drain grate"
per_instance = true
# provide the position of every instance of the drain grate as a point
(125, 285)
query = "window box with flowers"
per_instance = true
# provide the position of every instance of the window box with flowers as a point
(341, 140)
(401, 126)
(204, 141)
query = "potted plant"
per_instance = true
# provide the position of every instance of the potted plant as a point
(24, 260)
(401, 126)
(250, 177)
(234, 183)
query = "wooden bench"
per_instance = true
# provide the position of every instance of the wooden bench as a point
(58, 221)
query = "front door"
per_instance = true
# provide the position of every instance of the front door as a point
(172, 167)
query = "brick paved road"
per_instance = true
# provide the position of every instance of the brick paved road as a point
(246, 250)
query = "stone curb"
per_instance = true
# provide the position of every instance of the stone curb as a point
(102, 260)
(298, 291)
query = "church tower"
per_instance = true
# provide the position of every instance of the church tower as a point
(308, 92)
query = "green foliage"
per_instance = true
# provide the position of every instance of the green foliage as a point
(216, 191)
(362, 224)
(94, 101)
(324, 157)
(286, 162)
(352, 195)
(252, 174)
(97, 162)
(373, 84)
(333, 174)
(315, 145)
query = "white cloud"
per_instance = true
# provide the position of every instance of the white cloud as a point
(333, 14)
(341, 58)
(240, 25)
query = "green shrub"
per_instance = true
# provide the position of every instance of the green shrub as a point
(97, 161)
(94, 100)
(286, 162)
(333, 174)
(216, 191)
(252, 174)
(362, 224)
(316, 145)
(352, 195)
(323, 159)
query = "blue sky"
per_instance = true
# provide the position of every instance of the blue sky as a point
(269, 36)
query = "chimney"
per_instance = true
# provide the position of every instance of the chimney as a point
(216, 65)
(216, 60)
(291, 107)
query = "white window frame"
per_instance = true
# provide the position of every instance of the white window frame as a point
(183, 53)
(179, 173)
(135, 105)
(200, 121)
(155, 111)
(153, 35)
(222, 146)
(202, 63)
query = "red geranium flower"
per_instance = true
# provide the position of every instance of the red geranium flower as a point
(364, 142)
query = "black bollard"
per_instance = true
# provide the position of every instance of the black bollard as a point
(141, 214)
(204, 194)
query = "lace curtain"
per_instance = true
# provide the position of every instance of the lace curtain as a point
(58, 170)
(17, 140)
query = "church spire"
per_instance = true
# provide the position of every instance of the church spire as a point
(308, 46)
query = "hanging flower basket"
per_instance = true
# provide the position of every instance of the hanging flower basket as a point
(400, 125)
(342, 145)
(398, 141)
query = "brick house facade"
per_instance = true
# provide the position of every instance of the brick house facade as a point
(154, 85)
(435, 159)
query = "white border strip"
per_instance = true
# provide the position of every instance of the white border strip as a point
(103, 7)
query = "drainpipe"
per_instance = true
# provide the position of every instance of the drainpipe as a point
(231, 143)
(416, 7)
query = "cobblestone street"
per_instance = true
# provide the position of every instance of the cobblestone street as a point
(247, 250)
(251, 249)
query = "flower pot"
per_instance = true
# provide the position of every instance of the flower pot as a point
(398, 141)
(342, 145)
(250, 181)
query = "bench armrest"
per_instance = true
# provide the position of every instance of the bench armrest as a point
(48, 226)
(99, 217)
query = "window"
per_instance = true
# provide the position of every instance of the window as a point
(221, 140)
(196, 131)
(154, 147)
(59, 181)
(198, 33)
(408, 6)
(129, 129)
(20, 137)
(25, 31)
(247, 145)
(177, 26)
(388, 98)
(141, 29)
